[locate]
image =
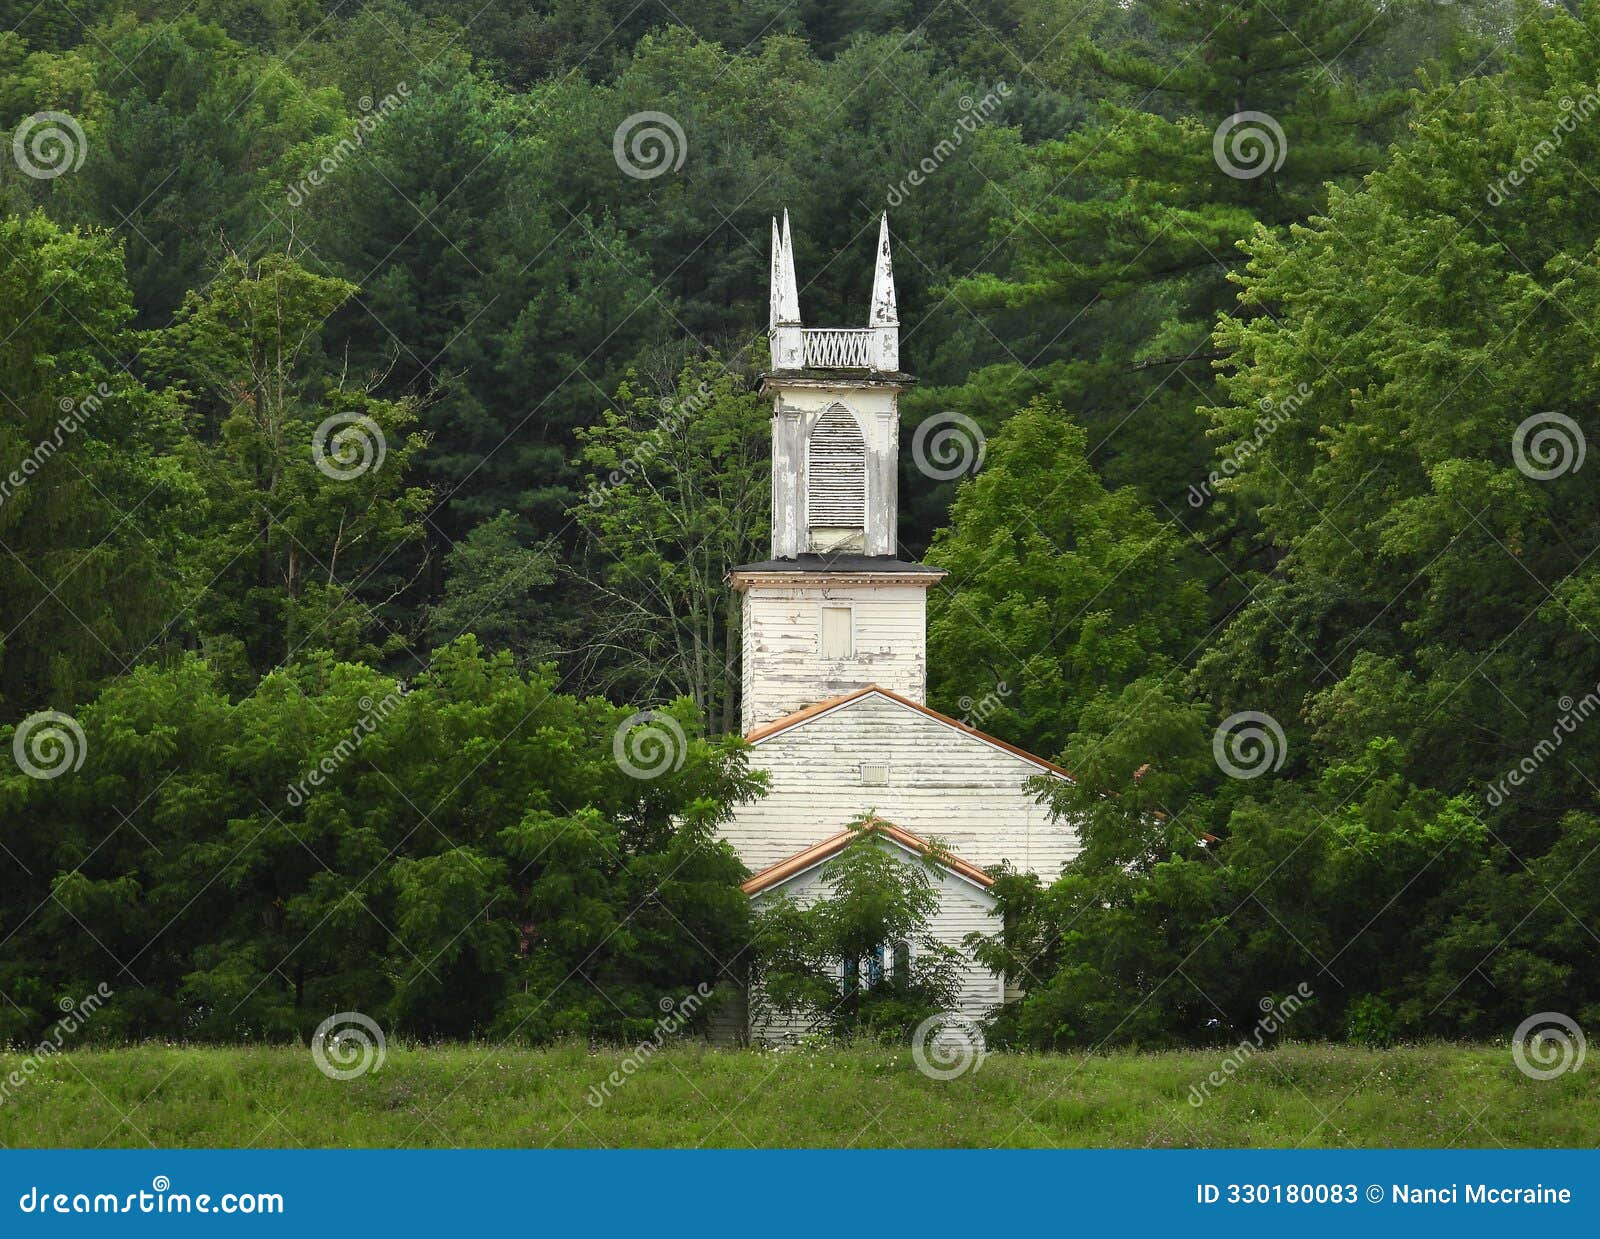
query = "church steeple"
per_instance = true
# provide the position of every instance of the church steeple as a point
(835, 608)
(836, 418)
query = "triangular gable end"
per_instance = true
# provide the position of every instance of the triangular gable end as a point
(807, 859)
(823, 708)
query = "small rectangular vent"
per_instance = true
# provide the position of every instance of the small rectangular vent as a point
(874, 776)
(837, 640)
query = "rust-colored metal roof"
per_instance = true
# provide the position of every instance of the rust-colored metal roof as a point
(817, 852)
(800, 716)
(768, 730)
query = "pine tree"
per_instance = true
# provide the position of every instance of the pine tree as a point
(1228, 117)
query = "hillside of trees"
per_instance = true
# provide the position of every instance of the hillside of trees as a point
(380, 379)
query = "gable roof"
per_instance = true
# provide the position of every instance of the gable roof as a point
(808, 858)
(767, 730)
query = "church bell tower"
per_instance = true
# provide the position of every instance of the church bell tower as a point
(835, 608)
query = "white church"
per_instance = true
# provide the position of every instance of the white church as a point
(835, 661)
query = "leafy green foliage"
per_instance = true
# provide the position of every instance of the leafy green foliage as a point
(679, 493)
(304, 472)
(1250, 449)
(84, 591)
(1064, 589)
(186, 131)
(457, 855)
(1421, 632)
(859, 959)
(1140, 225)
(495, 586)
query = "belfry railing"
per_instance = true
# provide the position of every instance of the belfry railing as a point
(839, 347)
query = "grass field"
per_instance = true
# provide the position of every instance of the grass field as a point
(858, 1096)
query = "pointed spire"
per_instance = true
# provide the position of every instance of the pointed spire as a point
(884, 313)
(772, 275)
(785, 306)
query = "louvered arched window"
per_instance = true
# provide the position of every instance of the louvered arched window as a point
(836, 472)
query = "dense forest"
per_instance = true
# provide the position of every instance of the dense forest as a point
(380, 380)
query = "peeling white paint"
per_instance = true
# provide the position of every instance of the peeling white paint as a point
(942, 783)
(784, 669)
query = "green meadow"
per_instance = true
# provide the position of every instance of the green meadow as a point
(852, 1096)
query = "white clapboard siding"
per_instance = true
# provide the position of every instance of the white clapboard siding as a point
(784, 669)
(963, 909)
(942, 782)
(836, 472)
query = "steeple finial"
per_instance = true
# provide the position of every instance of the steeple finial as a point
(883, 313)
(785, 293)
(883, 320)
(785, 337)
(772, 275)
